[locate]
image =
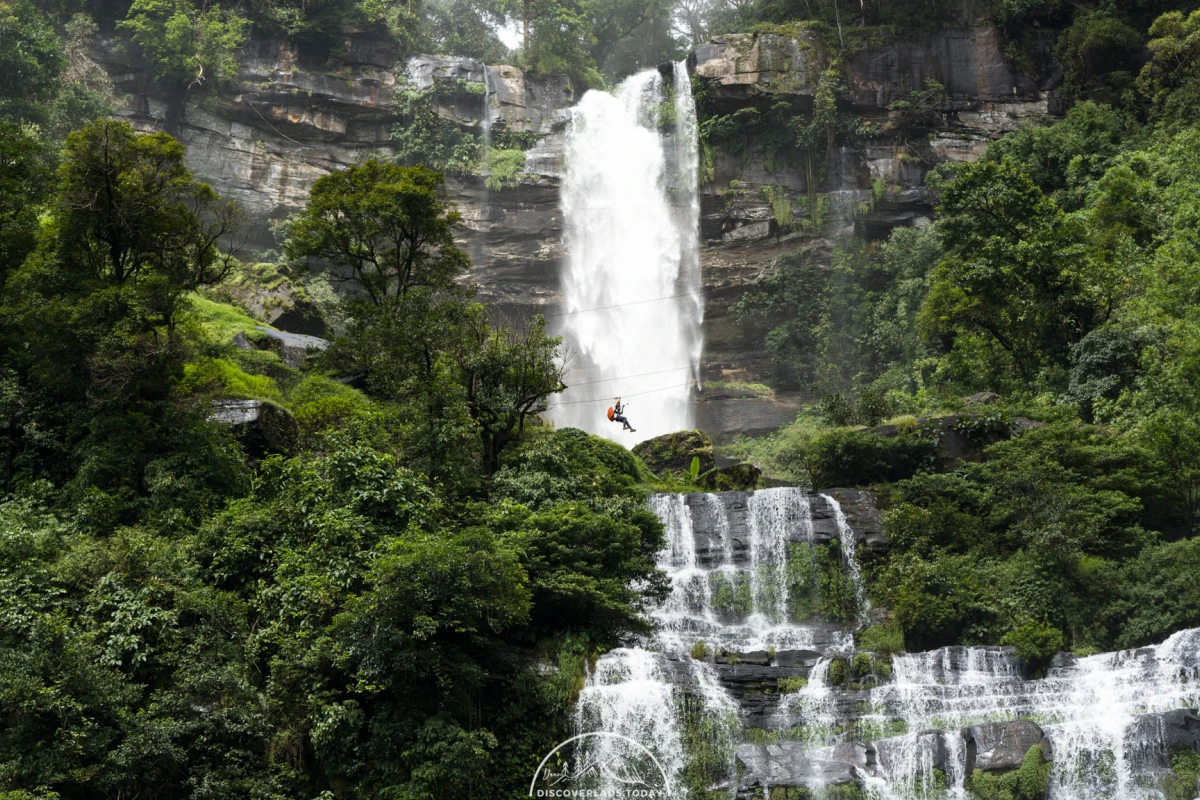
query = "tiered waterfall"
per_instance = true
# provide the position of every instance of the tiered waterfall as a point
(736, 692)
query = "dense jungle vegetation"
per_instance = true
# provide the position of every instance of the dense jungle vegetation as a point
(393, 589)
(1061, 274)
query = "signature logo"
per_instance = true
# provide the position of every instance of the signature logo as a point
(600, 766)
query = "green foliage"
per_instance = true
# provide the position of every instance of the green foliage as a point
(1019, 278)
(732, 593)
(881, 638)
(839, 671)
(817, 584)
(708, 742)
(31, 61)
(1027, 782)
(918, 113)
(857, 458)
(833, 331)
(699, 651)
(464, 28)
(184, 45)
(1100, 54)
(1036, 643)
(385, 223)
(1181, 783)
(25, 175)
(1169, 79)
(504, 168)
(1030, 534)
(792, 685)
(426, 139)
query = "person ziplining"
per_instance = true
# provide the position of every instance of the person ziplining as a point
(616, 414)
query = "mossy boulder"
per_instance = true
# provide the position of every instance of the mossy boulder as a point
(735, 477)
(1007, 761)
(673, 452)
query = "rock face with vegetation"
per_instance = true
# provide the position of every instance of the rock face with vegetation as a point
(262, 539)
(896, 106)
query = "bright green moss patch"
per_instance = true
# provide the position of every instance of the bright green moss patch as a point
(220, 377)
(220, 322)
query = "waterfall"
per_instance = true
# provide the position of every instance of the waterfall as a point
(631, 277)
(849, 555)
(727, 558)
(739, 564)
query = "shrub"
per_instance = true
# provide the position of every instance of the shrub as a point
(1027, 782)
(883, 638)
(857, 458)
(319, 403)
(873, 407)
(837, 410)
(700, 651)
(839, 671)
(861, 665)
(791, 685)
(1180, 784)
(505, 168)
(1036, 644)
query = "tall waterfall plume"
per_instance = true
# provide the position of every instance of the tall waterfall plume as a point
(632, 306)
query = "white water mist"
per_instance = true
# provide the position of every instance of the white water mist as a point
(631, 278)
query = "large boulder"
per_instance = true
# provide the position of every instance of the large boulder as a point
(261, 426)
(673, 452)
(294, 348)
(1162, 735)
(743, 477)
(1001, 746)
(795, 765)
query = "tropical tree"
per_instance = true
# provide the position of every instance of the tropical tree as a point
(185, 46)
(387, 225)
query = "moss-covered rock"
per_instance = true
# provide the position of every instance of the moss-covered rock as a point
(743, 477)
(674, 452)
(1029, 781)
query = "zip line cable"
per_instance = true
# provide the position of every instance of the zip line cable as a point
(604, 400)
(623, 377)
(700, 293)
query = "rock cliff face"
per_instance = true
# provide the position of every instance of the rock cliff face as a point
(266, 137)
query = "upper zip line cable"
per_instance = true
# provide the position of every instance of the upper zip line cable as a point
(631, 394)
(623, 377)
(700, 293)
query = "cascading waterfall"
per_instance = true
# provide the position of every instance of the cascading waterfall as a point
(631, 278)
(728, 593)
(849, 554)
(725, 555)
(1093, 712)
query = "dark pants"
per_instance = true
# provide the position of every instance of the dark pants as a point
(621, 419)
